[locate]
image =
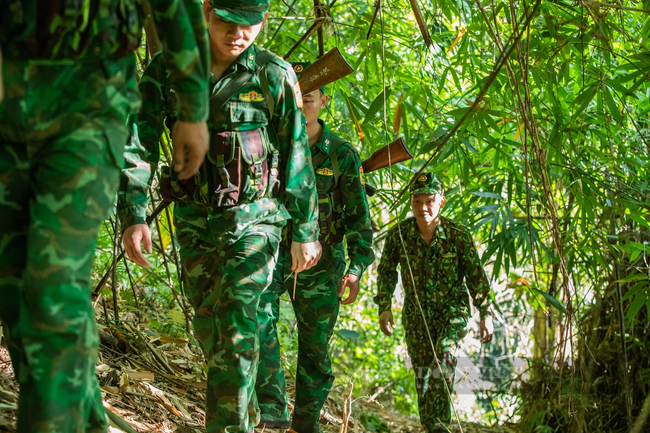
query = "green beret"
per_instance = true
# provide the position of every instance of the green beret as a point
(426, 183)
(298, 67)
(242, 12)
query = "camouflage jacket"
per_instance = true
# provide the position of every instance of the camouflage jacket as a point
(94, 30)
(353, 209)
(246, 110)
(439, 271)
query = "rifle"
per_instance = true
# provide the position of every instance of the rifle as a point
(329, 68)
(378, 160)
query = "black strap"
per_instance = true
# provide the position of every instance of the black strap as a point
(217, 101)
(320, 157)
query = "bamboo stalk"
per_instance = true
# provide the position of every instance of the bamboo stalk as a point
(119, 422)
(150, 218)
(314, 27)
(132, 284)
(374, 18)
(116, 260)
(153, 41)
(170, 281)
(284, 19)
(321, 41)
(295, 281)
(421, 23)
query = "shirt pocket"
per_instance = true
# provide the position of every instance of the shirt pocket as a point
(253, 112)
(448, 272)
(324, 179)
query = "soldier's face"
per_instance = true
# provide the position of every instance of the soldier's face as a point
(312, 103)
(426, 207)
(227, 39)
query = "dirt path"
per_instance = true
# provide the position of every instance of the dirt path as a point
(159, 385)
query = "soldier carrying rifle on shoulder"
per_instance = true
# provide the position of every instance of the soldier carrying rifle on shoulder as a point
(343, 211)
(316, 293)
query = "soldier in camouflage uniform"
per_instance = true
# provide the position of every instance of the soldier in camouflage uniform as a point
(230, 216)
(437, 258)
(343, 210)
(70, 81)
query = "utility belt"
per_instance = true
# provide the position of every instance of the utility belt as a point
(234, 157)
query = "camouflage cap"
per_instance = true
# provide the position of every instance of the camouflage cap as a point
(426, 183)
(242, 12)
(298, 67)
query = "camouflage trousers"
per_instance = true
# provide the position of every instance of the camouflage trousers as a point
(316, 306)
(434, 402)
(61, 134)
(224, 284)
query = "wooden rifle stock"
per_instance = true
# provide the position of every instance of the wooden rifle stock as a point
(329, 68)
(398, 153)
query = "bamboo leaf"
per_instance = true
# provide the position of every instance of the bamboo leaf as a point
(551, 300)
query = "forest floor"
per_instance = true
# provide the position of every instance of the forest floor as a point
(155, 382)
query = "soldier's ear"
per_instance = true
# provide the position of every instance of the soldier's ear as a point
(207, 8)
(323, 100)
(442, 202)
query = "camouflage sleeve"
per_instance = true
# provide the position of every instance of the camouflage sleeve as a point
(356, 215)
(142, 151)
(301, 198)
(387, 271)
(186, 57)
(475, 277)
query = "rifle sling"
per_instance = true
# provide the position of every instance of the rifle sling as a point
(320, 157)
(239, 81)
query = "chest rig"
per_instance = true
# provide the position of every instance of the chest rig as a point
(330, 203)
(222, 181)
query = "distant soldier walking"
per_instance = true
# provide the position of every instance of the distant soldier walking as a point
(437, 258)
(229, 217)
(343, 211)
(69, 83)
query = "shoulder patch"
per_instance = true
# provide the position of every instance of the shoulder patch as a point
(361, 176)
(298, 94)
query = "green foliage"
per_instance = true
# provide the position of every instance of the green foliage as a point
(547, 164)
(373, 424)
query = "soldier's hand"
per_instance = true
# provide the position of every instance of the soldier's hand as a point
(487, 329)
(386, 323)
(351, 281)
(132, 238)
(304, 255)
(190, 142)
